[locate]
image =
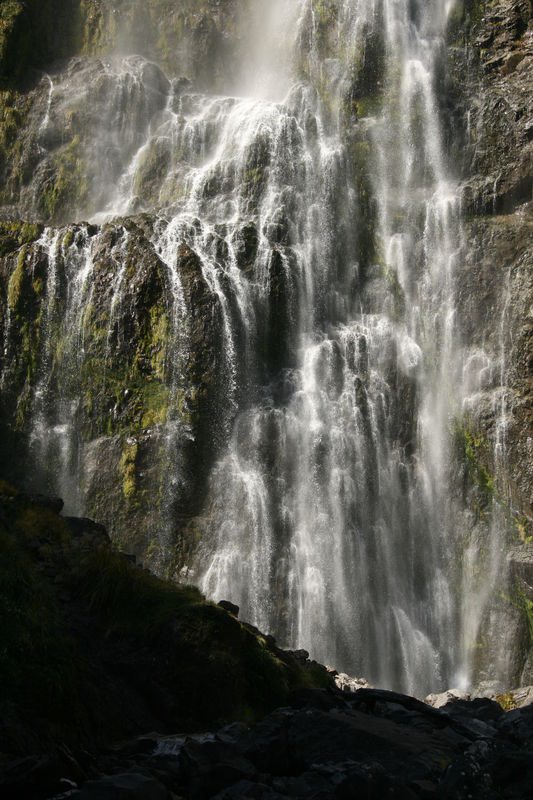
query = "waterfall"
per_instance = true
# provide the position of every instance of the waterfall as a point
(322, 207)
(332, 519)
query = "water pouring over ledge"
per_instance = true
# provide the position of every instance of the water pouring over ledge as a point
(332, 515)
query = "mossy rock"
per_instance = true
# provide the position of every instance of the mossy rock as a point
(85, 632)
(15, 233)
(472, 450)
(66, 190)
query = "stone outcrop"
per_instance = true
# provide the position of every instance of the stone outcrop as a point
(96, 648)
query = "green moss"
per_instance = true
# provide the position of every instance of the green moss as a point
(16, 281)
(42, 524)
(15, 167)
(325, 16)
(67, 187)
(68, 239)
(10, 10)
(368, 106)
(59, 595)
(527, 606)
(522, 526)
(483, 478)
(158, 340)
(246, 679)
(154, 399)
(396, 291)
(128, 468)
(14, 234)
(471, 446)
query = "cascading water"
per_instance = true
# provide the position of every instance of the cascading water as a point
(335, 496)
(324, 214)
(333, 514)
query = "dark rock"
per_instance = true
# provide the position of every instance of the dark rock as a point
(81, 528)
(322, 699)
(35, 776)
(207, 768)
(300, 655)
(129, 786)
(246, 790)
(231, 608)
(54, 504)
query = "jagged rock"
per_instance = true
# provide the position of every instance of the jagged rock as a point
(163, 644)
(521, 560)
(94, 533)
(443, 698)
(207, 768)
(300, 655)
(515, 698)
(347, 684)
(376, 744)
(231, 608)
(55, 504)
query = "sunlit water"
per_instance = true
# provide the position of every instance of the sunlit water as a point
(332, 517)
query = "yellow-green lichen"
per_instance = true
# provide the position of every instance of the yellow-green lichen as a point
(506, 701)
(16, 281)
(128, 468)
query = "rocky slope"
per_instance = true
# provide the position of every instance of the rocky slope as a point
(95, 648)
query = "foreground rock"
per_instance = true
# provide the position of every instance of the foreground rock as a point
(97, 649)
(328, 744)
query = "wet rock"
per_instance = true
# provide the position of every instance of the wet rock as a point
(521, 561)
(246, 246)
(389, 745)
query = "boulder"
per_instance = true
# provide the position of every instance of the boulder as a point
(347, 684)
(443, 698)
(231, 608)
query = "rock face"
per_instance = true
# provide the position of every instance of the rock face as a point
(494, 287)
(126, 343)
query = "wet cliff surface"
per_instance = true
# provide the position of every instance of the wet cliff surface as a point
(263, 354)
